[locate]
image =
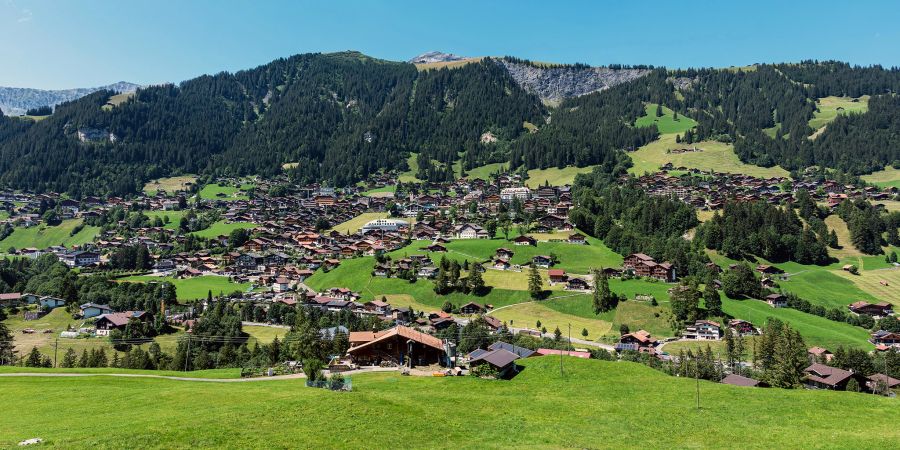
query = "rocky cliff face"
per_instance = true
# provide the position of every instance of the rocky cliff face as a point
(435, 56)
(15, 101)
(554, 84)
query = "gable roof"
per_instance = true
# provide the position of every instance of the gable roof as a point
(831, 376)
(406, 332)
(737, 380)
(521, 351)
(497, 358)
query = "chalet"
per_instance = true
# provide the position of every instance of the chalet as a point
(645, 266)
(819, 355)
(504, 254)
(435, 248)
(524, 240)
(500, 264)
(427, 272)
(557, 276)
(742, 327)
(542, 261)
(776, 300)
(89, 310)
(470, 231)
(12, 298)
(880, 383)
(577, 284)
(820, 376)
(117, 321)
(638, 341)
(281, 284)
(502, 361)
(399, 345)
(887, 338)
(471, 308)
(703, 330)
(554, 222)
(767, 269)
(610, 272)
(877, 309)
(578, 239)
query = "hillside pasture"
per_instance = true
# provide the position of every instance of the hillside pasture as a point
(170, 184)
(667, 123)
(227, 193)
(889, 177)
(447, 64)
(174, 218)
(43, 236)
(828, 108)
(716, 156)
(880, 284)
(555, 176)
(526, 315)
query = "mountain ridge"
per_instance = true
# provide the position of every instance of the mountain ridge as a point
(15, 101)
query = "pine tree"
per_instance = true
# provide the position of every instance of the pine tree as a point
(475, 280)
(712, 298)
(69, 359)
(84, 361)
(535, 283)
(34, 358)
(659, 111)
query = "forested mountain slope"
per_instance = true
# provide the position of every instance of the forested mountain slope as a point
(342, 116)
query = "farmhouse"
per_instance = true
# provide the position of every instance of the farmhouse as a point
(502, 361)
(577, 284)
(820, 376)
(557, 276)
(776, 300)
(542, 261)
(521, 351)
(471, 308)
(399, 345)
(638, 341)
(525, 240)
(737, 380)
(117, 321)
(742, 327)
(887, 338)
(876, 309)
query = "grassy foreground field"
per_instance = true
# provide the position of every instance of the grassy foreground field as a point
(596, 404)
(42, 236)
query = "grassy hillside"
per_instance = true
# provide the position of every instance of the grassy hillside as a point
(715, 156)
(596, 403)
(194, 288)
(43, 236)
(174, 217)
(555, 176)
(889, 177)
(829, 107)
(227, 193)
(814, 329)
(667, 123)
(170, 184)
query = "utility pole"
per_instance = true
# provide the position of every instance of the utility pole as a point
(55, 351)
(187, 356)
(697, 375)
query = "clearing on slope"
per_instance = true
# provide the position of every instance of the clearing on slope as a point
(828, 108)
(667, 123)
(43, 236)
(555, 176)
(714, 155)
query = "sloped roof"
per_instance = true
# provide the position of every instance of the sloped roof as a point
(406, 332)
(497, 358)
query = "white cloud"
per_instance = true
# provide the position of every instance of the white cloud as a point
(26, 16)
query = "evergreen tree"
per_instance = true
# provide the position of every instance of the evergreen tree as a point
(712, 299)
(535, 283)
(69, 359)
(34, 358)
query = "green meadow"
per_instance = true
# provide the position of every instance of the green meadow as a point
(193, 288)
(223, 228)
(591, 404)
(43, 236)
(667, 123)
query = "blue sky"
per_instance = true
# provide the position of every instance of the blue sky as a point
(64, 43)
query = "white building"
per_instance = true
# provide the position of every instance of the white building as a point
(521, 193)
(384, 225)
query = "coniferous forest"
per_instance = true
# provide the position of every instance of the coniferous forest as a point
(343, 116)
